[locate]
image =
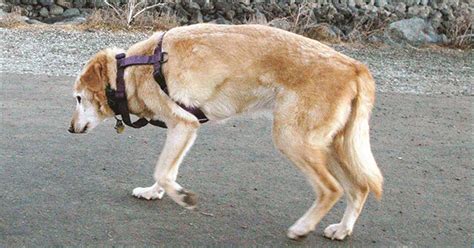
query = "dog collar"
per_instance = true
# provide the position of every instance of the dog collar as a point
(117, 99)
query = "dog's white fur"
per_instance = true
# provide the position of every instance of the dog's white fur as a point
(321, 102)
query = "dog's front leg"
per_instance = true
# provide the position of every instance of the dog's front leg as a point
(149, 193)
(180, 138)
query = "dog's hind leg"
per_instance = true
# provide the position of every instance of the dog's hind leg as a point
(355, 166)
(325, 186)
(179, 140)
(311, 161)
(356, 194)
(303, 132)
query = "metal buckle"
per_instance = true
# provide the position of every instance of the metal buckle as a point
(162, 61)
(120, 56)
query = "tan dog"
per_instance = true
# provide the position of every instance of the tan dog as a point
(321, 102)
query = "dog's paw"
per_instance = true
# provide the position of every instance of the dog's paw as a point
(148, 193)
(187, 199)
(298, 231)
(337, 231)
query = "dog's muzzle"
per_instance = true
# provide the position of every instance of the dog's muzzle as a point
(73, 130)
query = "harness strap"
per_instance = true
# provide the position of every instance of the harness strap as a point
(157, 59)
(120, 95)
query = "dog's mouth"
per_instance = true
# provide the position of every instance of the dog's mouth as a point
(84, 129)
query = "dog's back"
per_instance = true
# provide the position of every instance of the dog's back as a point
(211, 62)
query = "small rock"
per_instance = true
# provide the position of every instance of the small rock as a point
(414, 31)
(280, 23)
(194, 5)
(33, 21)
(71, 12)
(260, 18)
(400, 7)
(79, 3)
(5, 7)
(29, 2)
(230, 14)
(359, 3)
(220, 20)
(64, 3)
(223, 6)
(418, 11)
(197, 17)
(72, 20)
(53, 19)
(97, 3)
(411, 2)
(321, 32)
(55, 10)
(46, 2)
(44, 12)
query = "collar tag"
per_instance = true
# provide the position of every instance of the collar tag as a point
(119, 127)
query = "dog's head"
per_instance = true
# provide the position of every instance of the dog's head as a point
(89, 92)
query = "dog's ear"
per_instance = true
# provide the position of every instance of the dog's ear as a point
(95, 76)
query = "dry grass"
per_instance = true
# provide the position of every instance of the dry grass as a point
(14, 19)
(461, 34)
(364, 27)
(108, 19)
(301, 18)
(301, 23)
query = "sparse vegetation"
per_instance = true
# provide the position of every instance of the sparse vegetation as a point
(13, 19)
(460, 33)
(127, 17)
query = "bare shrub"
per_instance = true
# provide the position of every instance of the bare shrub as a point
(366, 26)
(117, 18)
(460, 32)
(301, 18)
(132, 9)
(12, 19)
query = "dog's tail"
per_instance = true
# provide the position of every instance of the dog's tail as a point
(354, 141)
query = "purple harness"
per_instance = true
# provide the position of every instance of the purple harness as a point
(117, 99)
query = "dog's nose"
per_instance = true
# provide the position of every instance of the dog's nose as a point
(71, 129)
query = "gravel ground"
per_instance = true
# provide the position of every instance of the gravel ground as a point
(396, 69)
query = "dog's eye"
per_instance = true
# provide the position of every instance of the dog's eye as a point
(78, 99)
